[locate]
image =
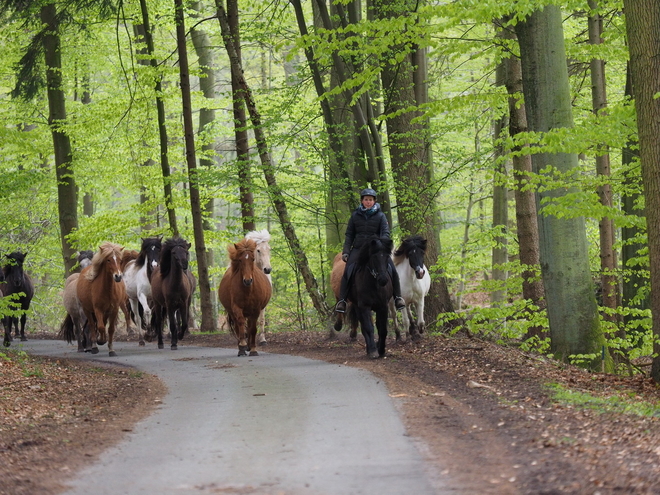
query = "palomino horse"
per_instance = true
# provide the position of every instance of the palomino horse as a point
(101, 292)
(172, 286)
(371, 290)
(137, 276)
(244, 292)
(262, 260)
(74, 325)
(338, 267)
(415, 285)
(18, 287)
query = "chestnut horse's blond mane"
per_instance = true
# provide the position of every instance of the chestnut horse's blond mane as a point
(106, 250)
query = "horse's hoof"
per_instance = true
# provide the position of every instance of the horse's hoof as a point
(263, 342)
(174, 347)
(112, 354)
(374, 355)
(6, 343)
(161, 346)
(23, 338)
(95, 350)
(141, 343)
(242, 351)
(337, 326)
(254, 353)
(100, 342)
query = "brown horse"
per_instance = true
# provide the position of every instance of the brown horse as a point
(172, 286)
(17, 285)
(101, 292)
(338, 266)
(244, 292)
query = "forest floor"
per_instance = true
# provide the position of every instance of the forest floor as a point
(489, 418)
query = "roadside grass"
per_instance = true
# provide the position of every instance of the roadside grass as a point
(626, 402)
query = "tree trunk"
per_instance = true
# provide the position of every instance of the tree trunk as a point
(409, 144)
(500, 254)
(608, 279)
(526, 224)
(162, 128)
(67, 194)
(274, 190)
(569, 289)
(208, 317)
(643, 29)
(240, 129)
(202, 44)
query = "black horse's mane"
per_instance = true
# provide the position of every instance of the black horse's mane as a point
(366, 248)
(166, 254)
(410, 243)
(146, 245)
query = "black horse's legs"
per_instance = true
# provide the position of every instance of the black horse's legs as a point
(23, 320)
(381, 324)
(367, 327)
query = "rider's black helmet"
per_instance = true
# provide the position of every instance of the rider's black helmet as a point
(368, 192)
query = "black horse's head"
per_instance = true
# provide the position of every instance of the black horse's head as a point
(13, 271)
(374, 255)
(175, 253)
(414, 249)
(150, 253)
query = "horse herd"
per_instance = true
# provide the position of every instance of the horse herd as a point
(155, 285)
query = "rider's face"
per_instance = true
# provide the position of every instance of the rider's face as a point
(368, 201)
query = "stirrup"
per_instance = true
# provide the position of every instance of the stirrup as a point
(399, 303)
(340, 307)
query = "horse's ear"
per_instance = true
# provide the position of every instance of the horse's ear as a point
(188, 244)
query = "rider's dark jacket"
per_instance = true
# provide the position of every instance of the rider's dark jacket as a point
(362, 225)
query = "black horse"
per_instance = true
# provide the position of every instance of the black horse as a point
(18, 287)
(370, 291)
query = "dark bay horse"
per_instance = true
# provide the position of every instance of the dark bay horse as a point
(371, 290)
(415, 285)
(18, 287)
(100, 290)
(172, 286)
(244, 292)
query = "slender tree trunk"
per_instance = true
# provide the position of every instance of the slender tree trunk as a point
(526, 224)
(240, 129)
(274, 189)
(202, 44)
(162, 127)
(643, 29)
(605, 225)
(67, 194)
(208, 317)
(633, 274)
(572, 309)
(499, 255)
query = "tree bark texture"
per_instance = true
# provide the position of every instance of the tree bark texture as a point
(208, 323)
(526, 215)
(162, 125)
(274, 189)
(643, 30)
(67, 194)
(569, 289)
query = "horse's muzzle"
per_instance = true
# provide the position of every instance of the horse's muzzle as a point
(247, 282)
(267, 270)
(419, 273)
(117, 277)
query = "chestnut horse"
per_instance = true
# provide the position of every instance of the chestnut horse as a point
(101, 292)
(172, 286)
(244, 292)
(18, 285)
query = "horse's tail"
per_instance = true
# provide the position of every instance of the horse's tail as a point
(67, 331)
(232, 326)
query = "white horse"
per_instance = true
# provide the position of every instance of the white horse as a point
(262, 261)
(415, 284)
(137, 276)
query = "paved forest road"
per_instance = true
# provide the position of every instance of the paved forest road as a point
(270, 424)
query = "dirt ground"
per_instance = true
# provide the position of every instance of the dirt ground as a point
(483, 414)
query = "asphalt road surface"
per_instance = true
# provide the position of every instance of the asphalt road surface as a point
(269, 424)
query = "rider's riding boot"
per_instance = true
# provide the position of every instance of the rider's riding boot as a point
(343, 289)
(399, 303)
(341, 306)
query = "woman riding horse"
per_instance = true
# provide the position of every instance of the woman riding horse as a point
(366, 221)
